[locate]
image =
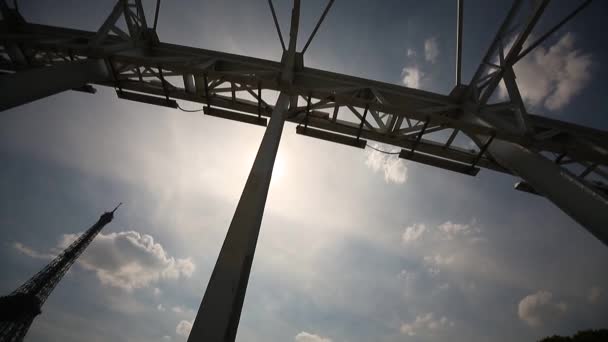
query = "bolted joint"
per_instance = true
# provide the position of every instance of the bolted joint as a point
(298, 62)
(291, 62)
(149, 37)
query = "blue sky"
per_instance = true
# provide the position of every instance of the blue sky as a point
(355, 246)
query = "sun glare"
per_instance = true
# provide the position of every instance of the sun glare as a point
(279, 168)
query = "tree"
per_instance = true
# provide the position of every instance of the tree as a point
(600, 335)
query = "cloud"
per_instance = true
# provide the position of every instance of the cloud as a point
(539, 307)
(308, 337)
(412, 76)
(392, 166)
(130, 260)
(425, 324)
(436, 262)
(180, 310)
(449, 230)
(444, 286)
(433, 271)
(30, 252)
(594, 294)
(551, 77)
(183, 328)
(439, 260)
(413, 232)
(431, 50)
(406, 275)
(160, 308)
(411, 283)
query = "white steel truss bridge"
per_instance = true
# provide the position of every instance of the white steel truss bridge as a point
(125, 53)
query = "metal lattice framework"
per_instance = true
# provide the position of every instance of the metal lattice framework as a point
(18, 310)
(566, 163)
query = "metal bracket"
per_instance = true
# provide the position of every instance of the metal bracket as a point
(362, 121)
(482, 150)
(420, 134)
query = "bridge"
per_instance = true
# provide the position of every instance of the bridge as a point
(125, 53)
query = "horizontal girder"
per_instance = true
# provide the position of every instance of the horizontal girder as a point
(233, 82)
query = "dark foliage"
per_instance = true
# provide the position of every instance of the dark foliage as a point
(581, 336)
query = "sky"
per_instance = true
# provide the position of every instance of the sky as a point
(355, 245)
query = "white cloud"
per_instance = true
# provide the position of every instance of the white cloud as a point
(182, 310)
(130, 260)
(412, 76)
(451, 230)
(539, 307)
(436, 262)
(307, 337)
(433, 271)
(594, 294)
(30, 252)
(413, 232)
(406, 275)
(183, 328)
(551, 77)
(160, 308)
(431, 50)
(439, 260)
(392, 166)
(425, 324)
(410, 282)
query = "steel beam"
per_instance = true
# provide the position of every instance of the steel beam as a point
(390, 105)
(554, 29)
(218, 316)
(459, 19)
(400, 102)
(439, 162)
(30, 85)
(332, 137)
(312, 35)
(219, 313)
(575, 198)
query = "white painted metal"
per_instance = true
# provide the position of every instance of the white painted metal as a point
(399, 116)
(570, 194)
(220, 310)
(218, 316)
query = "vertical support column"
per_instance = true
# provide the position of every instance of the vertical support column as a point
(30, 85)
(563, 189)
(459, 43)
(220, 311)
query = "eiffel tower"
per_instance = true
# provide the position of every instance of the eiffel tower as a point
(18, 310)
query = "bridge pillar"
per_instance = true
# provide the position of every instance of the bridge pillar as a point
(33, 84)
(219, 313)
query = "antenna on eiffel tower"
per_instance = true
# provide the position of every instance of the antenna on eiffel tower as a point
(116, 208)
(18, 310)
